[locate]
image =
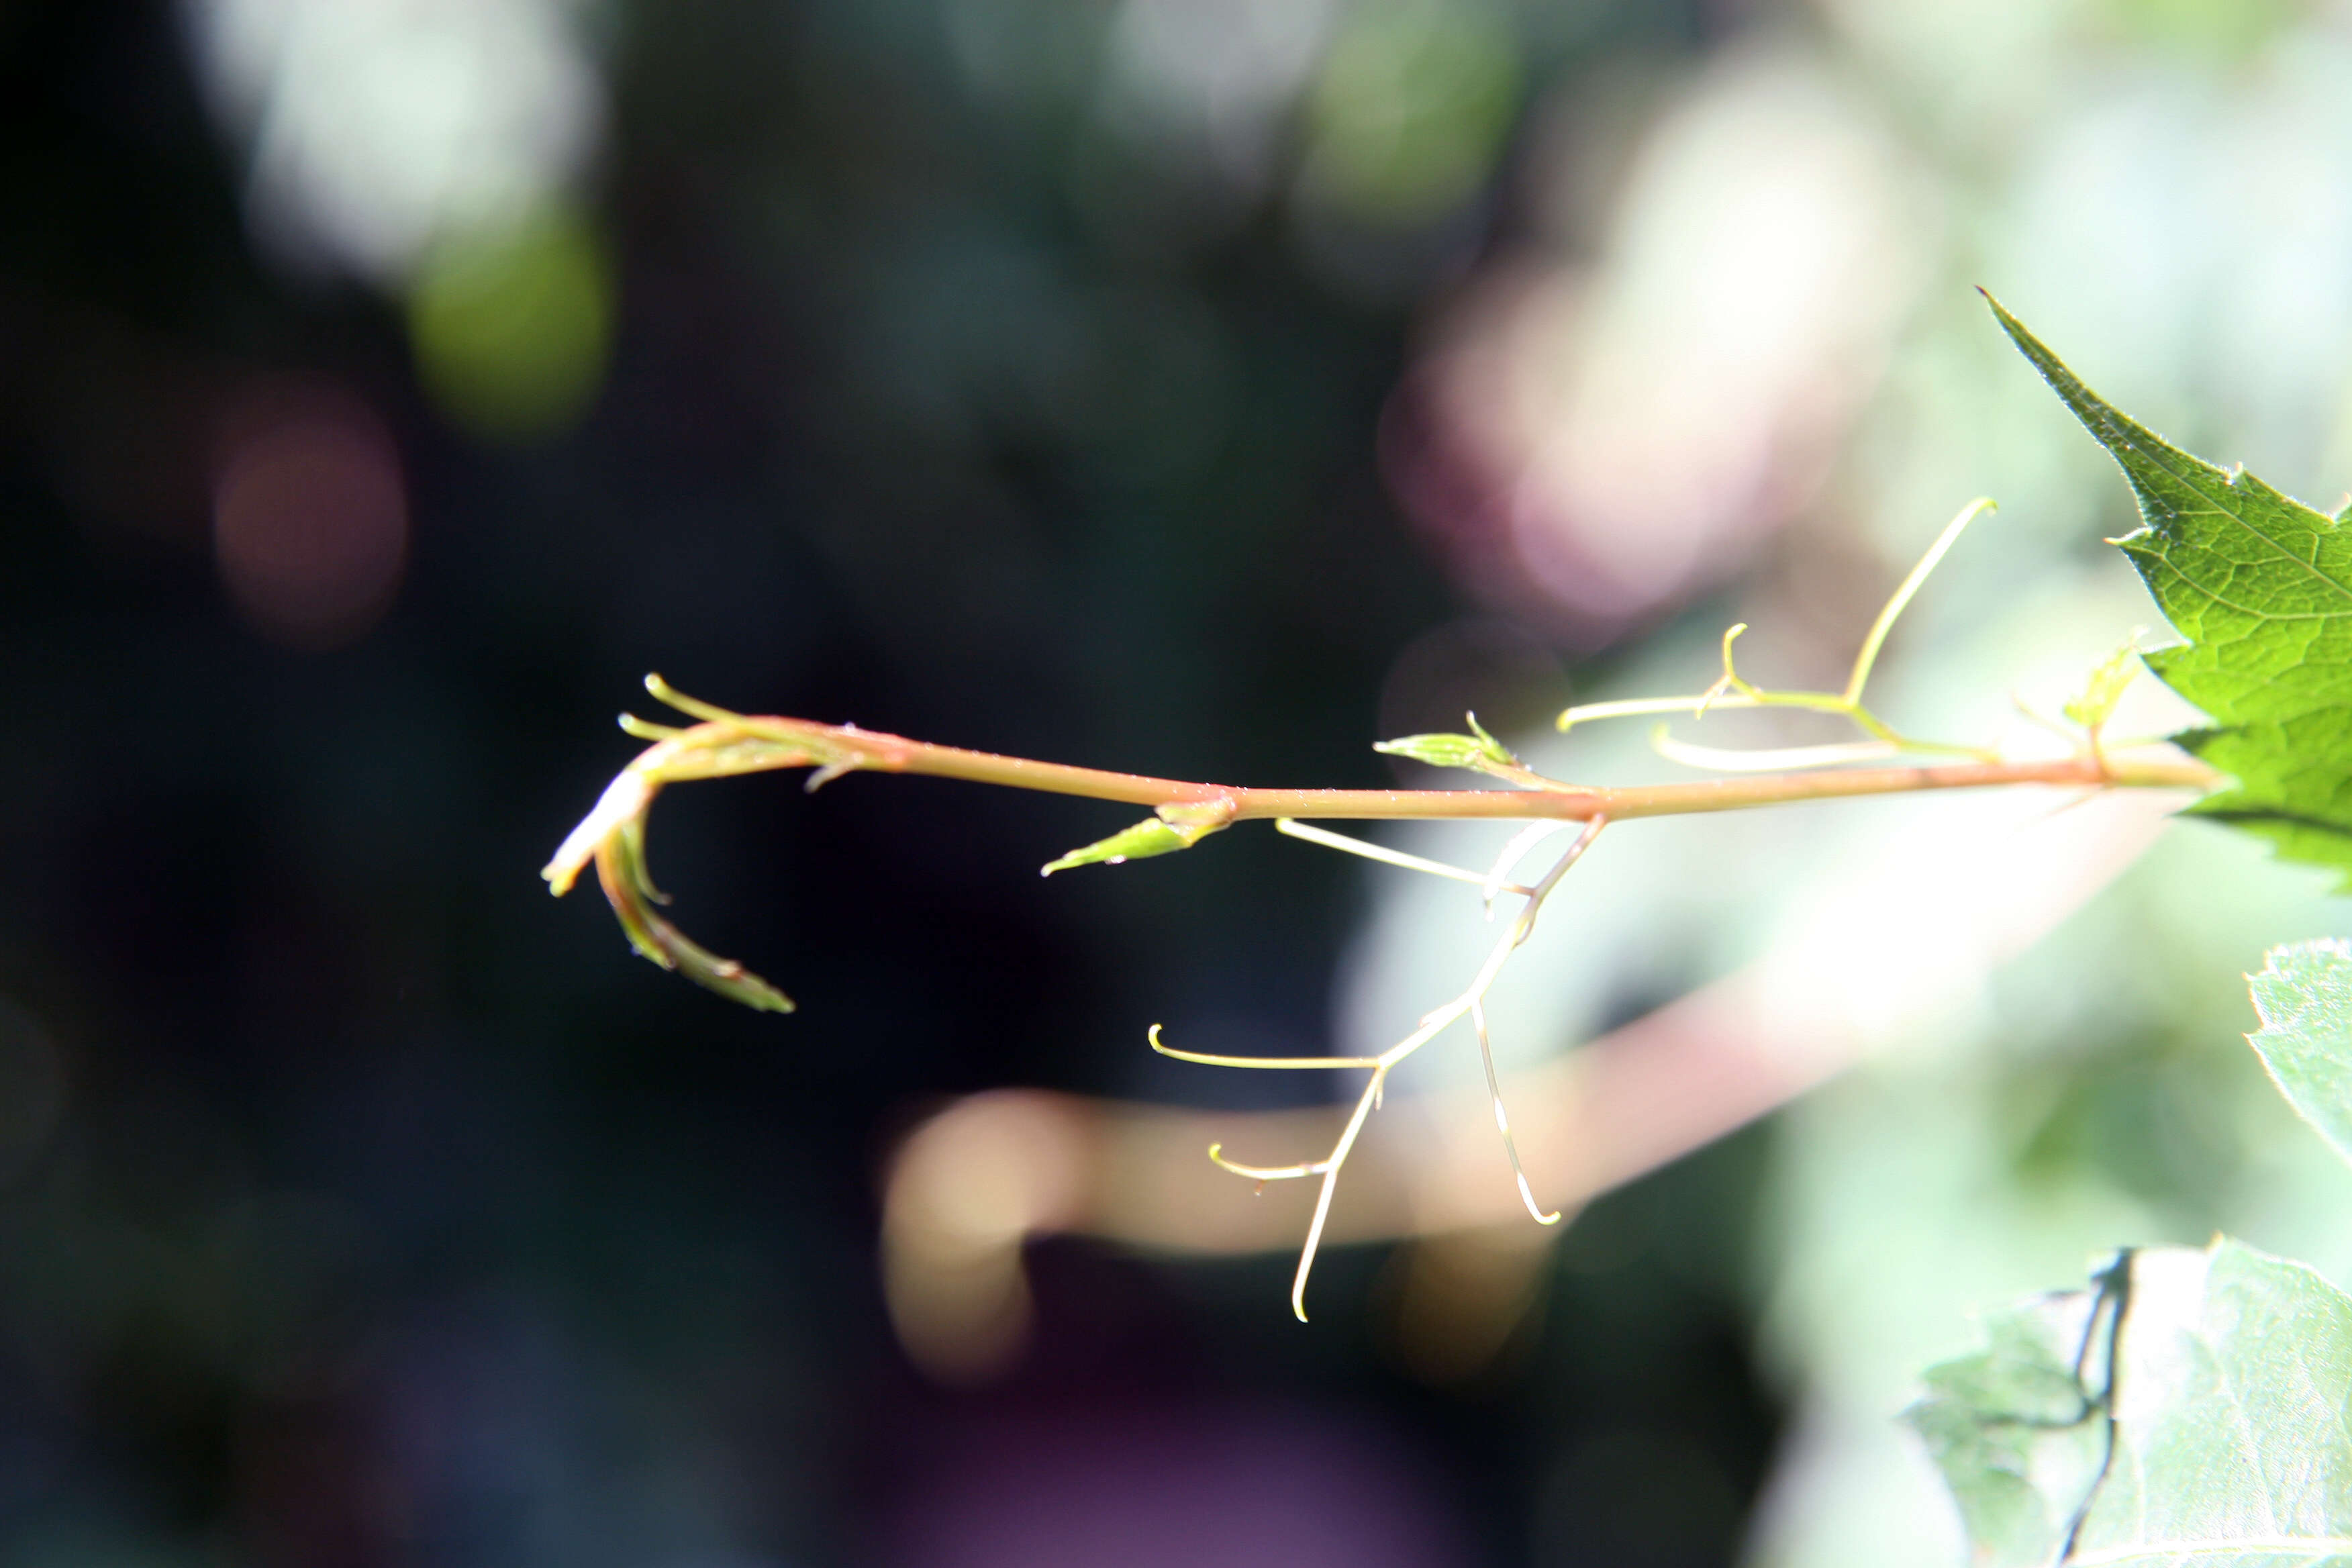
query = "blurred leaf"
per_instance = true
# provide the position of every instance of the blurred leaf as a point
(2018, 1439)
(2261, 585)
(2204, 29)
(1412, 107)
(2305, 996)
(1446, 750)
(2106, 687)
(2213, 1385)
(1175, 827)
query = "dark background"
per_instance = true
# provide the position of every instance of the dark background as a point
(362, 1206)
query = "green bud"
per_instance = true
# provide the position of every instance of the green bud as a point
(1175, 826)
(1478, 750)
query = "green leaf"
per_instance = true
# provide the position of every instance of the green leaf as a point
(1175, 827)
(2261, 585)
(2305, 996)
(1478, 750)
(2191, 1409)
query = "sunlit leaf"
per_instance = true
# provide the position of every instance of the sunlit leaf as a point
(2261, 587)
(2305, 996)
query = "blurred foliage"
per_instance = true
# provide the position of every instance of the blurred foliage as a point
(511, 325)
(2020, 1429)
(2305, 996)
(1411, 106)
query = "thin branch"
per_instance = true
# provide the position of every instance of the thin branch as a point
(705, 752)
(611, 835)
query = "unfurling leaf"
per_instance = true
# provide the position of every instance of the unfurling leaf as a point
(1175, 827)
(2305, 996)
(612, 834)
(2104, 687)
(2192, 1409)
(628, 885)
(1477, 750)
(2261, 587)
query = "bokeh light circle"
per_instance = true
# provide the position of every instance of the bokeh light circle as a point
(310, 522)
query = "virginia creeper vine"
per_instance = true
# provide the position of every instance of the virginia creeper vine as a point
(722, 744)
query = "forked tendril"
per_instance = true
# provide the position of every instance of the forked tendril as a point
(1731, 690)
(1471, 1004)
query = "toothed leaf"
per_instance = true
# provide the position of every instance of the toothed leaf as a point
(2305, 996)
(2261, 587)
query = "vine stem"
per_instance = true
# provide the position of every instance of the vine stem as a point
(715, 747)
(723, 745)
